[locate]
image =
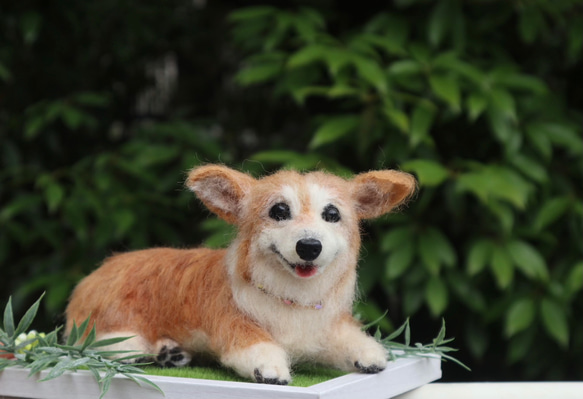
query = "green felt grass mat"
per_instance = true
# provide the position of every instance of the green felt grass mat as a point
(303, 375)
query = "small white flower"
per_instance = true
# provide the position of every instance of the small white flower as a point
(26, 337)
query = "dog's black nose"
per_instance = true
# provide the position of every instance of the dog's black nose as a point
(308, 248)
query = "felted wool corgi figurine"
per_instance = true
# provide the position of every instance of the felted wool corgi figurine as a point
(282, 292)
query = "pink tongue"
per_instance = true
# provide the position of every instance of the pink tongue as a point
(305, 271)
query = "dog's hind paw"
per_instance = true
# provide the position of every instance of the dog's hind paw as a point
(173, 357)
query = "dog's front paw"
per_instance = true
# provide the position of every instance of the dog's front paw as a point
(260, 378)
(264, 363)
(371, 369)
(372, 357)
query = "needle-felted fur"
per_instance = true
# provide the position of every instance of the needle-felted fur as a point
(281, 293)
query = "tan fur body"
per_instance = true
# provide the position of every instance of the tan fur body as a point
(253, 306)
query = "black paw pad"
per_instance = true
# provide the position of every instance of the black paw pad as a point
(372, 369)
(170, 357)
(274, 381)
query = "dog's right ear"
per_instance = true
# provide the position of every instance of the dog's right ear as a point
(221, 189)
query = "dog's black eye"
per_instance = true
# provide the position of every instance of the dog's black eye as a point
(280, 211)
(331, 214)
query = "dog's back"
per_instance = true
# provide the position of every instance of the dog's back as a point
(152, 292)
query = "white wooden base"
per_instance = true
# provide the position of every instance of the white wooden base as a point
(400, 376)
(498, 390)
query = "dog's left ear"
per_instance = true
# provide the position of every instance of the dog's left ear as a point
(376, 193)
(221, 189)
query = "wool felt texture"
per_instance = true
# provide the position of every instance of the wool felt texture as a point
(252, 305)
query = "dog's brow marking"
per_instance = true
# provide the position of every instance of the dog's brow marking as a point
(320, 196)
(291, 196)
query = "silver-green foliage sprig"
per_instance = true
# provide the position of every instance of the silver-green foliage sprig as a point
(398, 350)
(76, 354)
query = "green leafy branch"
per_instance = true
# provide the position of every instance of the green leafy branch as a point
(398, 350)
(39, 352)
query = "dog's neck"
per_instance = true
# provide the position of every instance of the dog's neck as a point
(290, 302)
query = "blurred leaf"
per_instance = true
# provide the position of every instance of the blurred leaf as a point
(334, 128)
(123, 219)
(439, 22)
(342, 91)
(398, 118)
(497, 182)
(449, 62)
(34, 126)
(54, 195)
(313, 16)
(502, 267)
(530, 23)
(476, 104)
(92, 99)
(468, 293)
(479, 256)
(73, 117)
(530, 168)
(219, 233)
(258, 73)
(502, 101)
(520, 315)
(503, 213)
(387, 43)
(528, 260)
(58, 293)
(420, 52)
(555, 321)
(306, 28)
(396, 238)
(20, 204)
(421, 122)
(413, 299)
(371, 72)
(306, 55)
(335, 59)
(30, 24)
(399, 260)
(551, 210)
(436, 296)
(247, 13)
(435, 250)
(537, 134)
(574, 281)
(405, 67)
(520, 345)
(446, 88)
(429, 173)
(476, 338)
(521, 82)
(565, 136)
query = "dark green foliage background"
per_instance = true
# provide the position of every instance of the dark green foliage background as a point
(480, 99)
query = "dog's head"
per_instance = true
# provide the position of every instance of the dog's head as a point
(299, 224)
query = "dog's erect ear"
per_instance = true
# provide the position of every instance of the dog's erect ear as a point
(221, 189)
(376, 193)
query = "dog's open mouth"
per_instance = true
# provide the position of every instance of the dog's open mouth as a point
(305, 270)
